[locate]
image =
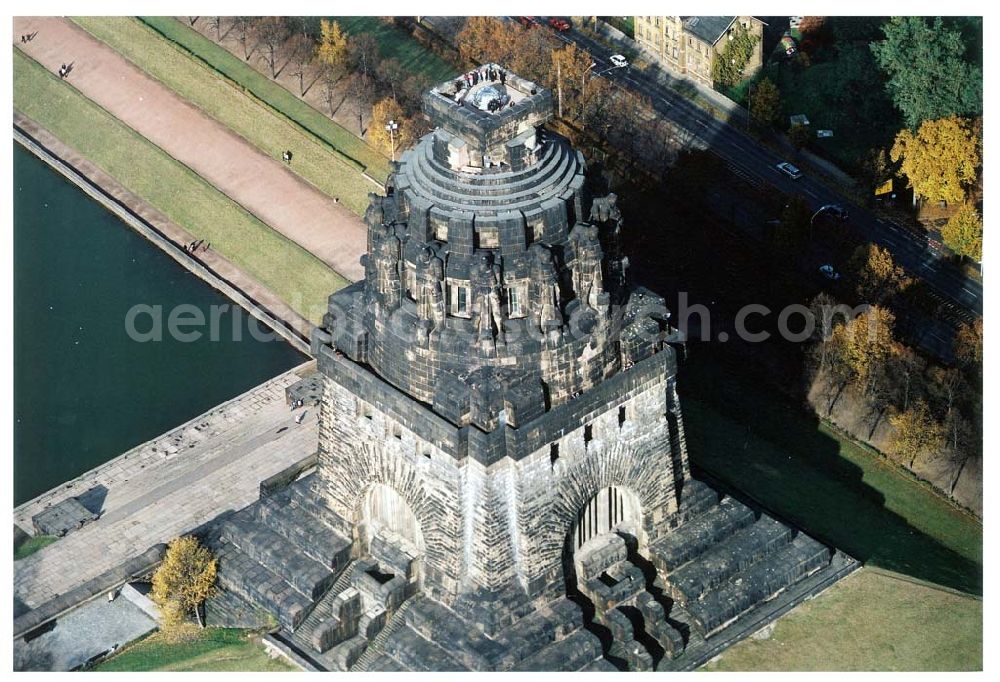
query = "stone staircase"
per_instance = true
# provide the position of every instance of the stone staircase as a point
(375, 646)
(721, 560)
(282, 553)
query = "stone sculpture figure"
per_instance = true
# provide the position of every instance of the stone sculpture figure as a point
(430, 292)
(588, 280)
(385, 266)
(545, 283)
(486, 301)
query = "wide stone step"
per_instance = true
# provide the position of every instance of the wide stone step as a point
(697, 498)
(257, 584)
(721, 562)
(699, 534)
(471, 647)
(309, 535)
(759, 582)
(577, 651)
(280, 556)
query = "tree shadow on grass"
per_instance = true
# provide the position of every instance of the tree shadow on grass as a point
(746, 437)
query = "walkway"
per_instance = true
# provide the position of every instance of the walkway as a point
(168, 486)
(259, 183)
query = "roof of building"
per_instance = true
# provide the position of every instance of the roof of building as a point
(709, 29)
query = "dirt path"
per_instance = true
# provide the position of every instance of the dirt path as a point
(259, 183)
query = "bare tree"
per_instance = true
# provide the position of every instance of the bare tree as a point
(245, 34)
(193, 20)
(300, 49)
(392, 74)
(359, 88)
(215, 24)
(364, 55)
(271, 33)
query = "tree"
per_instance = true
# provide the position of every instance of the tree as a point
(331, 51)
(184, 579)
(969, 344)
(487, 39)
(928, 76)
(363, 55)
(359, 89)
(765, 102)
(876, 275)
(963, 233)
(875, 169)
(215, 24)
(799, 135)
(941, 161)
(730, 64)
(861, 348)
(301, 51)
(244, 34)
(383, 111)
(271, 33)
(392, 74)
(917, 433)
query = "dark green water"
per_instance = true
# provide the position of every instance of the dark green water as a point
(84, 392)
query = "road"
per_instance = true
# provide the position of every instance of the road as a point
(960, 298)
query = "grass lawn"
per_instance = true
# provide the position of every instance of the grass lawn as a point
(395, 43)
(149, 172)
(211, 650)
(755, 440)
(32, 545)
(870, 621)
(315, 160)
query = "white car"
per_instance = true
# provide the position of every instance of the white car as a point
(789, 170)
(619, 61)
(828, 272)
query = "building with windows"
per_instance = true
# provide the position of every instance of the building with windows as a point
(689, 46)
(502, 479)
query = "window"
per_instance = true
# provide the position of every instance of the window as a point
(588, 433)
(459, 300)
(515, 299)
(553, 453)
(621, 416)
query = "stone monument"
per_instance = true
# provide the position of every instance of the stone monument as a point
(502, 478)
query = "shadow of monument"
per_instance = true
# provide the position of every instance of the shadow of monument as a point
(93, 499)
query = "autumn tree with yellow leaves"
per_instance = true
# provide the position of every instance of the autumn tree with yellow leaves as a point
(877, 277)
(941, 161)
(183, 581)
(963, 233)
(386, 110)
(917, 433)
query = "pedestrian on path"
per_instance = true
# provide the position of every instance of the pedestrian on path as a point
(286, 156)
(62, 71)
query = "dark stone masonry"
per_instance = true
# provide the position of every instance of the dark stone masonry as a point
(502, 478)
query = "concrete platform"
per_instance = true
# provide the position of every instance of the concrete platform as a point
(169, 486)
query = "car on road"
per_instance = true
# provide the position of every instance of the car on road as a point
(558, 24)
(789, 170)
(837, 211)
(527, 22)
(828, 272)
(619, 61)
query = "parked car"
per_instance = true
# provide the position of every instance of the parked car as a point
(828, 272)
(619, 61)
(789, 170)
(527, 22)
(559, 24)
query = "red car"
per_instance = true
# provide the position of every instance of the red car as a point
(559, 24)
(527, 22)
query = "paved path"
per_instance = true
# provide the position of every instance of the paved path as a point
(168, 486)
(259, 183)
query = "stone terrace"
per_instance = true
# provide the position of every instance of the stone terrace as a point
(168, 486)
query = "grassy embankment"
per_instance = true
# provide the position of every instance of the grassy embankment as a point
(260, 111)
(182, 195)
(870, 621)
(208, 650)
(761, 443)
(396, 43)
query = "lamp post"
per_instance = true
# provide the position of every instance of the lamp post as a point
(392, 127)
(749, 100)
